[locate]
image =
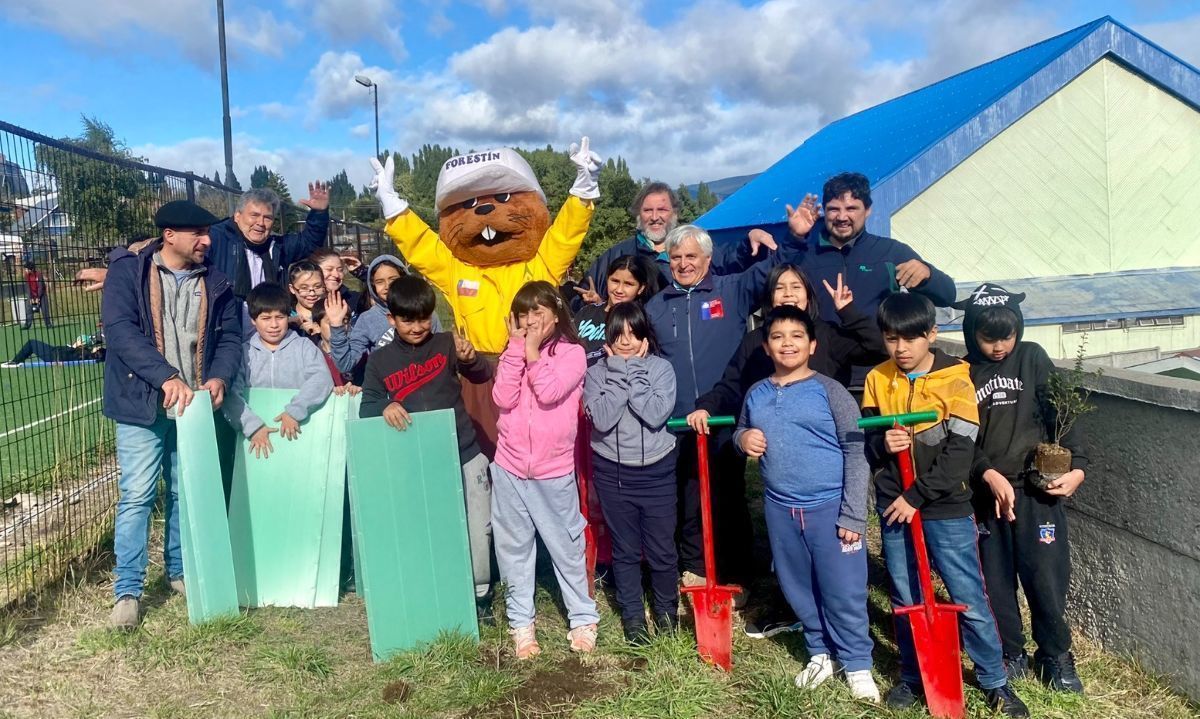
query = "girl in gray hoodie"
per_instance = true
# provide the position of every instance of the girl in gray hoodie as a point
(629, 396)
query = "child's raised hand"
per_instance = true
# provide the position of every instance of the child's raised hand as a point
(515, 331)
(336, 309)
(351, 263)
(753, 442)
(643, 348)
(463, 349)
(289, 428)
(847, 537)
(589, 294)
(899, 511)
(260, 442)
(841, 294)
(897, 440)
(1004, 493)
(1066, 485)
(396, 416)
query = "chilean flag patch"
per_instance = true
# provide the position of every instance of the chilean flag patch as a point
(468, 288)
(712, 310)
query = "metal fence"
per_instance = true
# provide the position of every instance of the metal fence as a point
(62, 208)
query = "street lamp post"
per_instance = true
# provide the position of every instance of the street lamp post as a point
(368, 82)
(228, 131)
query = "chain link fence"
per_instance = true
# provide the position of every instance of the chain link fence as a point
(64, 208)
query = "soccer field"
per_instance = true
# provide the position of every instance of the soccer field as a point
(51, 428)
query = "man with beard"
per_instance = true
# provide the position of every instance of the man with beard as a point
(656, 210)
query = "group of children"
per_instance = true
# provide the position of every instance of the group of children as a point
(985, 524)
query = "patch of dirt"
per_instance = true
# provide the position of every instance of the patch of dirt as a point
(548, 693)
(396, 692)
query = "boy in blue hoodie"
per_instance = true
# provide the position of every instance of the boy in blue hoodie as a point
(276, 357)
(1022, 526)
(803, 427)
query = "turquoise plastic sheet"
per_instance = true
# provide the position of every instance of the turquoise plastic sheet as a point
(204, 531)
(285, 510)
(410, 530)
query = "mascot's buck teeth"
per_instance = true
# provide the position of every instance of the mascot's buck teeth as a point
(488, 233)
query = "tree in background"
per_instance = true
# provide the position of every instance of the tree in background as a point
(258, 178)
(108, 203)
(341, 196)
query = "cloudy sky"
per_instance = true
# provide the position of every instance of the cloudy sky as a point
(686, 91)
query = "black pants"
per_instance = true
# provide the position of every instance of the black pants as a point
(1034, 550)
(47, 352)
(733, 534)
(639, 510)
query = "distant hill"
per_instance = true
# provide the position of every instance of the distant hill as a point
(725, 187)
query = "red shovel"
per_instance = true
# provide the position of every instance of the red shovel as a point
(934, 625)
(712, 603)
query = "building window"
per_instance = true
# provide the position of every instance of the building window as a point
(1131, 323)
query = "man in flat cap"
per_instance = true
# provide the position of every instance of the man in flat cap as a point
(174, 327)
(243, 247)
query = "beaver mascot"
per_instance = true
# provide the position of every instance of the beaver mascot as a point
(495, 235)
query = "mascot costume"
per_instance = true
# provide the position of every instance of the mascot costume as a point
(495, 235)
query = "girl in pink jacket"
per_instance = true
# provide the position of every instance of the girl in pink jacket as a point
(538, 386)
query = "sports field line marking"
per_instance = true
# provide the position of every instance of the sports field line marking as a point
(43, 420)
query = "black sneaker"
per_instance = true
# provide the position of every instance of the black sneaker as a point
(904, 695)
(483, 611)
(1058, 673)
(1016, 667)
(1006, 701)
(636, 632)
(665, 623)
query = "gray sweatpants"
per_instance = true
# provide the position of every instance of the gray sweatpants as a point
(523, 508)
(477, 494)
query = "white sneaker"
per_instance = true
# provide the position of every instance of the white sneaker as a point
(10, 365)
(820, 668)
(862, 685)
(691, 579)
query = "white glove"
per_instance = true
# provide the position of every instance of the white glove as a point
(587, 174)
(385, 188)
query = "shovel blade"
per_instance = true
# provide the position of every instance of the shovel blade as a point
(939, 656)
(712, 608)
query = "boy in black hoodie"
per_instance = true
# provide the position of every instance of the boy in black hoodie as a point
(1022, 529)
(417, 372)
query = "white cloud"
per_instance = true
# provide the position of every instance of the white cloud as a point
(346, 22)
(189, 25)
(333, 93)
(1179, 37)
(277, 111)
(362, 131)
(298, 165)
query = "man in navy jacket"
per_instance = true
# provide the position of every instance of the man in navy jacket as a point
(873, 266)
(699, 320)
(174, 327)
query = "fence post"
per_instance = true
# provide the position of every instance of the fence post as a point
(191, 189)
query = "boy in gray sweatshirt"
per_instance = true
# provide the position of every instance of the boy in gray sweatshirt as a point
(276, 357)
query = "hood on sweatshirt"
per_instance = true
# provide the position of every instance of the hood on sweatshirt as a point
(375, 263)
(986, 297)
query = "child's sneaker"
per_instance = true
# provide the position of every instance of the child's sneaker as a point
(820, 668)
(525, 642)
(636, 632)
(1058, 673)
(862, 685)
(583, 639)
(1005, 700)
(1016, 667)
(904, 695)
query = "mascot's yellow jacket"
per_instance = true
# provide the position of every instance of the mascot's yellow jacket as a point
(481, 296)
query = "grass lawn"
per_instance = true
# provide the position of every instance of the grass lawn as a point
(317, 663)
(50, 420)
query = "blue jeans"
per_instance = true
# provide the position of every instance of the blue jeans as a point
(954, 554)
(144, 454)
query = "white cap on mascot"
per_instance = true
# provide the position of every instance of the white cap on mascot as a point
(490, 172)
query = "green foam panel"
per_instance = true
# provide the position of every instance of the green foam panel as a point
(204, 530)
(410, 530)
(285, 511)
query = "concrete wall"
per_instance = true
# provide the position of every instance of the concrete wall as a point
(1135, 524)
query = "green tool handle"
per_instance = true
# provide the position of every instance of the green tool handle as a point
(891, 420)
(718, 421)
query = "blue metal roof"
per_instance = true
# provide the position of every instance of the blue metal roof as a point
(1132, 294)
(906, 144)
